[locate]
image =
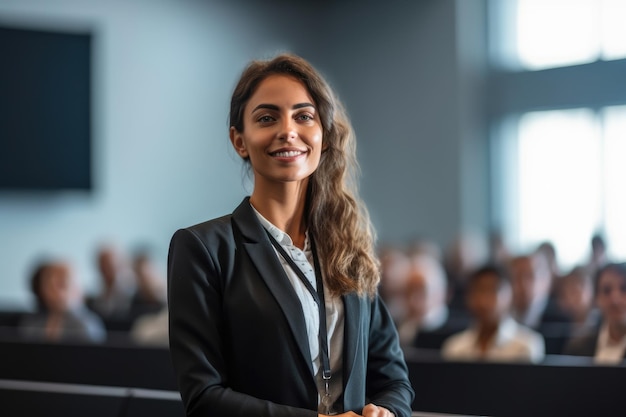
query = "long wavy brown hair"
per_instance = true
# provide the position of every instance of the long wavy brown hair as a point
(336, 217)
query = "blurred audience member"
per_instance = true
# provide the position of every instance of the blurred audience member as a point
(394, 264)
(575, 299)
(531, 283)
(60, 314)
(548, 251)
(114, 299)
(149, 296)
(494, 336)
(607, 343)
(599, 257)
(427, 321)
(466, 252)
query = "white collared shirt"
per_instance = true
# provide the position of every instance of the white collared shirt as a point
(334, 309)
(513, 342)
(607, 350)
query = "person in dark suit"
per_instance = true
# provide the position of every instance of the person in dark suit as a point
(606, 343)
(274, 309)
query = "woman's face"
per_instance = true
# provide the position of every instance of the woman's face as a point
(611, 297)
(282, 135)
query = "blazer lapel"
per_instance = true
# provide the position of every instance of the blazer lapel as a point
(270, 269)
(352, 329)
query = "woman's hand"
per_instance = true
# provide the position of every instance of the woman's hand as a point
(372, 410)
(369, 410)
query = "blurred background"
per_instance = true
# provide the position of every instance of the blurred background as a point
(487, 125)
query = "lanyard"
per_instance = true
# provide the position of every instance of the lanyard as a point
(318, 296)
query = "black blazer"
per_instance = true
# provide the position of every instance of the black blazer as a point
(585, 345)
(237, 332)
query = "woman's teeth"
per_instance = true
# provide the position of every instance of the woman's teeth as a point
(287, 154)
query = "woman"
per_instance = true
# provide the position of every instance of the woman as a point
(246, 335)
(607, 343)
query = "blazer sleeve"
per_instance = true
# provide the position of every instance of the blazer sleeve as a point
(195, 287)
(387, 373)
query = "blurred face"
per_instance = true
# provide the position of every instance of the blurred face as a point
(487, 301)
(282, 134)
(108, 265)
(574, 296)
(423, 292)
(416, 296)
(611, 297)
(56, 288)
(528, 282)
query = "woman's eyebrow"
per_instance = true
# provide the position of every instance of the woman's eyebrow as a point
(275, 107)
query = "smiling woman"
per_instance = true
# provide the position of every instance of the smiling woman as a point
(283, 137)
(274, 309)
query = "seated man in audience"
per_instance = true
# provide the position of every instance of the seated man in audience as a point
(60, 314)
(494, 336)
(575, 298)
(150, 293)
(114, 299)
(427, 322)
(531, 281)
(607, 343)
(394, 263)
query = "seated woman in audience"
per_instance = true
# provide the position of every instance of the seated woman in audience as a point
(607, 343)
(60, 314)
(495, 336)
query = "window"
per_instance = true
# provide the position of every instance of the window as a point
(570, 174)
(559, 141)
(553, 33)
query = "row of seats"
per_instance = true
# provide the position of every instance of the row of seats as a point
(110, 381)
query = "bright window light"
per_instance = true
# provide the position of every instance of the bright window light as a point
(613, 29)
(559, 179)
(615, 177)
(553, 33)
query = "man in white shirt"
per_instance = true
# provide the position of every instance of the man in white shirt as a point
(494, 336)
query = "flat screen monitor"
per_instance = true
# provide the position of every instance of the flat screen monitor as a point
(45, 110)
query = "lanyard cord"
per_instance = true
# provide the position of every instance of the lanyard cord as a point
(318, 296)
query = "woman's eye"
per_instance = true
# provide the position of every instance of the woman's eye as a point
(265, 119)
(305, 117)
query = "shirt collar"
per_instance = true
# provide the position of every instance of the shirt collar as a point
(506, 331)
(281, 237)
(504, 334)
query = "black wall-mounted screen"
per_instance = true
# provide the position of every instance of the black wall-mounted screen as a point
(45, 110)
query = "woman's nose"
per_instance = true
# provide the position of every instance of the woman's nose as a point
(287, 129)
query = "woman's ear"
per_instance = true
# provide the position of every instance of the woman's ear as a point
(236, 138)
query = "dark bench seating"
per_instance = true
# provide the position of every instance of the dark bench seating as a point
(38, 379)
(128, 381)
(560, 386)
